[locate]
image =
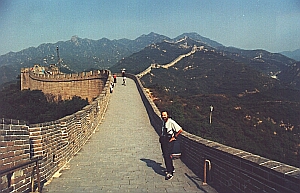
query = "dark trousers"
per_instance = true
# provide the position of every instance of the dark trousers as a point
(166, 148)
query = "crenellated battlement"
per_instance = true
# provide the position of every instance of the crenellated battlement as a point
(55, 142)
(87, 85)
(68, 77)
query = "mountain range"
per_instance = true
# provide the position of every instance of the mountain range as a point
(274, 65)
(254, 93)
(292, 54)
(75, 55)
(79, 54)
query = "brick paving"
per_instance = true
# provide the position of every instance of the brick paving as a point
(123, 155)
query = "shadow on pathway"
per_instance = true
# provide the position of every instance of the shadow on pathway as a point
(157, 167)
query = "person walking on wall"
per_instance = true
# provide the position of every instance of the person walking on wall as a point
(124, 80)
(111, 87)
(169, 132)
(115, 79)
(124, 77)
(123, 72)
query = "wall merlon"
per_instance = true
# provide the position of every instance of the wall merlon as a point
(68, 77)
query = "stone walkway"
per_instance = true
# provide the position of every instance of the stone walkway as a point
(123, 155)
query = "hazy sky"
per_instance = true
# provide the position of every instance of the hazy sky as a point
(273, 25)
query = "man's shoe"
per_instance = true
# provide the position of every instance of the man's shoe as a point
(169, 176)
(166, 172)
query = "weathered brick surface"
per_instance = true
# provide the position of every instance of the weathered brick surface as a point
(232, 169)
(57, 141)
(87, 85)
(13, 151)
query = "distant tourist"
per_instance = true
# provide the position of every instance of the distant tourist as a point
(169, 132)
(124, 81)
(115, 78)
(123, 73)
(111, 87)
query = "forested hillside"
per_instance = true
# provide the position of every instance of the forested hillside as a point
(34, 106)
(75, 55)
(251, 111)
(255, 94)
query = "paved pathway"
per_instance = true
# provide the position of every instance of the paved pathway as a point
(124, 154)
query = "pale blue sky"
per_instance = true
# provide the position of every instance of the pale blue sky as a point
(273, 25)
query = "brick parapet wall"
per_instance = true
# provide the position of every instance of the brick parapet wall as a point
(63, 138)
(55, 142)
(232, 169)
(66, 77)
(14, 150)
(87, 85)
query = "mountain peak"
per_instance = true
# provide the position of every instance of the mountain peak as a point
(74, 38)
(195, 36)
(152, 35)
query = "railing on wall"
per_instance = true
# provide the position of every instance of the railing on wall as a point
(34, 181)
(231, 169)
(54, 143)
(5, 121)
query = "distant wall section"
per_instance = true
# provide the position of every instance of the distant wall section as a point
(232, 170)
(87, 85)
(55, 143)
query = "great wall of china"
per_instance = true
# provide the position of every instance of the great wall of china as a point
(53, 143)
(46, 147)
(87, 85)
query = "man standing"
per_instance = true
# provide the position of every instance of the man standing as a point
(124, 77)
(169, 132)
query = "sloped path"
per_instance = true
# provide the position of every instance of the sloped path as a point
(124, 154)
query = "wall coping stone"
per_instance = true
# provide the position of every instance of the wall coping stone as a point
(289, 174)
